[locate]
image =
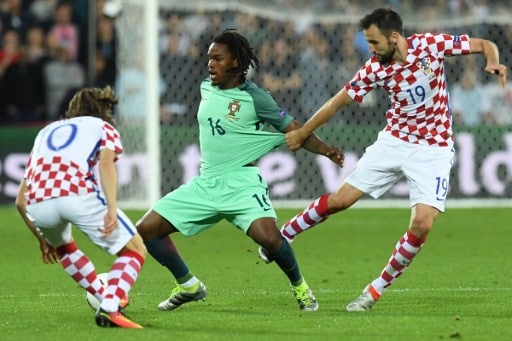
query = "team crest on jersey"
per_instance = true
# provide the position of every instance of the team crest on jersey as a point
(457, 42)
(233, 107)
(424, 65)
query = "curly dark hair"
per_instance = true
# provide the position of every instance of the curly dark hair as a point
(95, 102)
(240, 49)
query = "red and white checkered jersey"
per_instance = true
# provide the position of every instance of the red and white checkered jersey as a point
(63, 157)
(419, 111)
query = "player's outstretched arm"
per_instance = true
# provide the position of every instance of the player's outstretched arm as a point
(48, 253)
(295, 138)
(492, 56)
(314, 144)
(108, 177)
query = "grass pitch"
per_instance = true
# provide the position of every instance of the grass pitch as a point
(459, 286)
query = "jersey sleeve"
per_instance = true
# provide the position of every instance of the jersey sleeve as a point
(363, 81)
(446, 44)
(111, 139)
(268, 111)
(28, 168)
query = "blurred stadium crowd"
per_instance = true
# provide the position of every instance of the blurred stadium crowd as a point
(44, 56)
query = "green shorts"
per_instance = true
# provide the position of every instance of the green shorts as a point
(240, 197)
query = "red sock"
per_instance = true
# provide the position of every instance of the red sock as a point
(315, 213)
(405, 251)
(80, 268)
(121, 278)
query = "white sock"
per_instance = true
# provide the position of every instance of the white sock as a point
(190, 283)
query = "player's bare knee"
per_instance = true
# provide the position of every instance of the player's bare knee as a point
(420, 227)
(143, 228)
(148, 230)
(136, 244)
(338, 202)
(272, 243)
(152, 226)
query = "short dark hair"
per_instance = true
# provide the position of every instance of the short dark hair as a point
(240, 49)
(386, 20)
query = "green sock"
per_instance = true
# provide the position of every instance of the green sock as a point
(285, 259)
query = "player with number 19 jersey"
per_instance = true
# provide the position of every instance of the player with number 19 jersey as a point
(231, 123)
(419, 111)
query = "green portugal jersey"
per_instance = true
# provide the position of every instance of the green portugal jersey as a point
(231, 126)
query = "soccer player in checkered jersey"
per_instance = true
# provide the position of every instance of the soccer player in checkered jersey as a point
(231, 119)
(416, 143)
(59, 189)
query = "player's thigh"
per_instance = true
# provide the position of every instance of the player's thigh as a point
(245, 198)
(87, 213)
(265, 232)
(191, 208)
(379, 167)
(428, 175)
(52, 225)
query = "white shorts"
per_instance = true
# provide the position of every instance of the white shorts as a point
(389, 159)
(55, 216)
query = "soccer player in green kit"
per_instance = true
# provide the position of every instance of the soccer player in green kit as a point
(231, 117)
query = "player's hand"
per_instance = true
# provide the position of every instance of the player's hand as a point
(294, 139)
(48, 253)
(109, 222)
(336, 156)
(500, 70)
